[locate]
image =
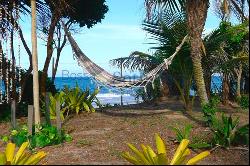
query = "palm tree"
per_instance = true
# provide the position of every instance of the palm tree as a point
(196, 12)
(35, 63)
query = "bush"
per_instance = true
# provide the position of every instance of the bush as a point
(242, 136)
(243, 101)
(45, 136)
(209, 110)
(224, 130)
(72, 101)
(195, 143)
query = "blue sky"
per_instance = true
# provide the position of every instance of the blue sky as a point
(118, 35)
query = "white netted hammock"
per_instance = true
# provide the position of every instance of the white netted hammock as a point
(106, 78)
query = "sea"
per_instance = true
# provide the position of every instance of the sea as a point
(112, 96)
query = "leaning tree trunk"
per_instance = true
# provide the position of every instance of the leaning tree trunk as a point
(29, 71)
(35, 63)
(54, 21)
(196, 16)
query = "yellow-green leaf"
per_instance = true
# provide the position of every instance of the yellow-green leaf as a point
(180, 150)
(3, 159)
(139, 154)
(10, 150)
(152, 155)
(197, 158)
(162, 159)
(130, 158)
(20, 151)
(34, 159)
(183, 157)
(160, 144)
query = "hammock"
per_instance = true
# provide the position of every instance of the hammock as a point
(106, 78)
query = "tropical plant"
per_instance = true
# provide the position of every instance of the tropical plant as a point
(209, 110)
(148, 157)
(44, 136)
(224, 130)
(226, 47)
(182, 133)
(242, 136)
(77, 100)
(48, 135)
(195, 143)
(21, 157)
(244, 101)
(58, 97)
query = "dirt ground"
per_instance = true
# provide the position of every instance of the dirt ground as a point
(99, 138)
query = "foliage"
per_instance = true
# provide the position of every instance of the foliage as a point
(45, 136)
(60, 96)
(244, 101)
(195, 143)
(21, 157)
(5, 114)
(209, 110)
(148, 157)
(48, 135)
(77, 100)
(182, 133)
(242, 135)
(224, 130)
(27, 97)
(72, 101)
(85, 13)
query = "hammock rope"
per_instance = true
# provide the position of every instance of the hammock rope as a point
(113, 81)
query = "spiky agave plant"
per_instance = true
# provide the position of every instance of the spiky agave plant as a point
(22, 157)
(149, 157)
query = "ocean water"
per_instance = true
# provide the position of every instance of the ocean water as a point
(112, 96)
(107, 95)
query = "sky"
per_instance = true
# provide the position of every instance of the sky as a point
(119, 34)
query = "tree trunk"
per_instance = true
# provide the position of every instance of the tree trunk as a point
(13, 74)
(208, 84)
(239, 75)
(225, 89)
(196, 16)
(54, 21)
(35, 63)
(59, 50)
(28, 72)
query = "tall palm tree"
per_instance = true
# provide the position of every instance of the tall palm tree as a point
(35, 63)
(196, 13)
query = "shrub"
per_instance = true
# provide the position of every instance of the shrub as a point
(209, 110)
(209, 113)
(224, 130)
(242, 136)
(45, 136)
(21, 157)
(72, 101)
(77, 100)
(195, 143)
(148, 157)
(244, 101)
